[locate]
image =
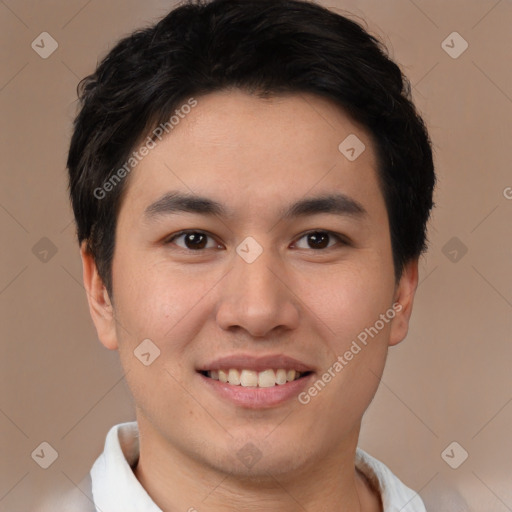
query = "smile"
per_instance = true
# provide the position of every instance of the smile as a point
(251, 378)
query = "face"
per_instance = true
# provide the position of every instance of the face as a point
(278, 273)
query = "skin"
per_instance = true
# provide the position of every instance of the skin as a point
(254, 156)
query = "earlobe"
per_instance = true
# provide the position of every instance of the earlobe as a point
(404, 296)
(100, 305)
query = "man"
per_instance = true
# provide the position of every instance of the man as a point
(251, 185)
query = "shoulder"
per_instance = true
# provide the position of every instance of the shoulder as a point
(395, 495)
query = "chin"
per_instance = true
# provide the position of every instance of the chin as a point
(260, 459)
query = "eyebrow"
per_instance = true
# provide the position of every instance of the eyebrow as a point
(179, 202)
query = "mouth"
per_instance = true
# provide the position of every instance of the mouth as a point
(256, 382)
(247, 378)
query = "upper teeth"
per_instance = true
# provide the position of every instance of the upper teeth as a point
(251, 378)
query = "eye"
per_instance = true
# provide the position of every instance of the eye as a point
(319, 239)
(198, 240)
(193, 240)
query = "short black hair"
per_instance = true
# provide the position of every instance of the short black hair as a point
(262, 47)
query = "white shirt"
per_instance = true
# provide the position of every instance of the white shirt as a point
(112, 486)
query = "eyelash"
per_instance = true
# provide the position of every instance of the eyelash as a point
(342, 240)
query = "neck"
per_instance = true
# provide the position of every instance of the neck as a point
(176, 480)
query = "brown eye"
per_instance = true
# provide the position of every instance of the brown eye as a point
(318, 240)
(192, 240)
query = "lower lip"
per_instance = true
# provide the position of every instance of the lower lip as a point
(257, 398)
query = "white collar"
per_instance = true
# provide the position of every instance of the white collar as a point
(115, 487)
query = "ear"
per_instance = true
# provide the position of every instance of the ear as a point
(100, 305)
(404, 296)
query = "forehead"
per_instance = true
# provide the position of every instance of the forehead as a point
(257, 151)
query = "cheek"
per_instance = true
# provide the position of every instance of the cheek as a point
(348, 298)
(356, 340)
(350, 304)
(158, 302)
(157, 305)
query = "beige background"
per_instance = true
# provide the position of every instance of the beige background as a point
(449, 381)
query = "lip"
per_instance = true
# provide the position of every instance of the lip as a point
(256, 363)
(255, 397)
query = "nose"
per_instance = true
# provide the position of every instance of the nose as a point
(257, 298)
